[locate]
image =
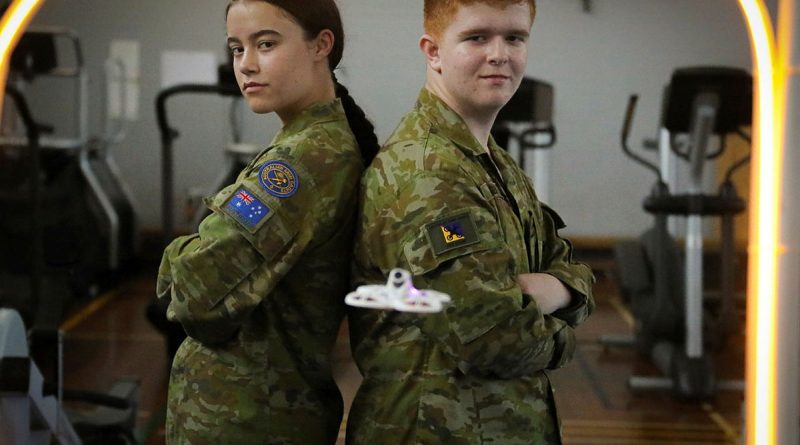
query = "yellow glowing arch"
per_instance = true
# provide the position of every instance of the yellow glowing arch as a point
(764, 249)
(12, 25)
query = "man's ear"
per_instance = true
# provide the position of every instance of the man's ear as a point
(323, 44)
(430, 49)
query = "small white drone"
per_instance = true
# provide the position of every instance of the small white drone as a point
(399, 294)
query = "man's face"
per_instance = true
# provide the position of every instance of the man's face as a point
(481, 57)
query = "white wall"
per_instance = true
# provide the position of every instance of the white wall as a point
(594, 61)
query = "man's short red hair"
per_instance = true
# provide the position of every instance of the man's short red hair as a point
(439, 13)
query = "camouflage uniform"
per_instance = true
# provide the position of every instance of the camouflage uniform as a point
(259, 290)
(435, 203)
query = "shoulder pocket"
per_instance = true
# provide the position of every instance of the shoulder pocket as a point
(257, 217)
(444, 239)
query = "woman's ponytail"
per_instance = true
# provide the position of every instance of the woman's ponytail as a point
(361, 127)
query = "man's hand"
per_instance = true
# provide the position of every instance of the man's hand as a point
(548, 292)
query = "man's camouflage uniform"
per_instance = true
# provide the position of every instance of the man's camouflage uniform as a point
(464, 223)
(259, 290)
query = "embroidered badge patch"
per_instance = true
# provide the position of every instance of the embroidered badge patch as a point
(244, 207)
(279, 179)
(451, 233)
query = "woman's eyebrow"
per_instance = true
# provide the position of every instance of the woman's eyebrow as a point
(255, 35)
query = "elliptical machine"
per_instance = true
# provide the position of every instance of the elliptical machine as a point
(86, 228)
(31, 406)
(675, 319)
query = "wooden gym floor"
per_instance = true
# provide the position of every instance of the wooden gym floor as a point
(110, 338)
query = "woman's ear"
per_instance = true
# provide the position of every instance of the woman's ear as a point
(323, 44)
(430, 49)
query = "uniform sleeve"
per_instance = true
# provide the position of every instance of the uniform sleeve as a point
(258, 229)
(164, 280)
(445, 232)
(558, 262)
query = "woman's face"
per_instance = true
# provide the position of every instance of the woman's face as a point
(275, 66)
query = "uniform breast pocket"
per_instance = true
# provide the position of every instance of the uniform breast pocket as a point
(490, 190)
(493, 196)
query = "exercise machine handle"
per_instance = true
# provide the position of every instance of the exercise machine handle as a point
(527, 135)
(626, 129)
(32, 130)
(168, 135)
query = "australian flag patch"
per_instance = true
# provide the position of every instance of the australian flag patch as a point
(244, 207)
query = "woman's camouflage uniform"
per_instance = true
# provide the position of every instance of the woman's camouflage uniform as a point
(468, 224)
(260, 292)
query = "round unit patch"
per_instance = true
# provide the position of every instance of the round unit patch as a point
(279, 179)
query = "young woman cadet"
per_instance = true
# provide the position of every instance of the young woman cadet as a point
(259, 290)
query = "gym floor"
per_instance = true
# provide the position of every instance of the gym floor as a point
(110, 338)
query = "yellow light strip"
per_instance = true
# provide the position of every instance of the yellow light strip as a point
(764, 224)
(13, 24)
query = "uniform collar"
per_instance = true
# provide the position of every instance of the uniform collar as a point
(447, 123)
(316, 113)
